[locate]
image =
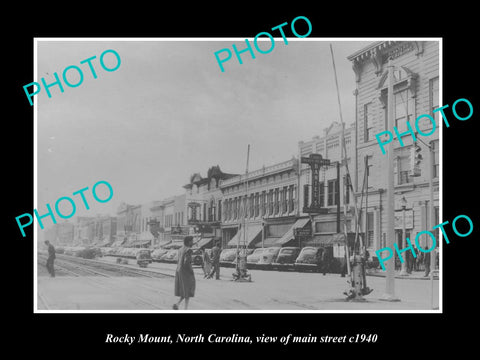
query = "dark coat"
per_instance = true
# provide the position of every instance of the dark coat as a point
(216, 255)
(51, 251)
(184, 276)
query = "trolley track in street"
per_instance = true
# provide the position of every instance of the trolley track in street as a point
(78, 267)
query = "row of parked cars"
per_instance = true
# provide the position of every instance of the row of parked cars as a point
(307, 258)
(277, 258)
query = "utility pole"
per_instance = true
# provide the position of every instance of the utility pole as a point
(432, 207)
(390, 273)
(241, 273)
(337, 197)
(404, 271)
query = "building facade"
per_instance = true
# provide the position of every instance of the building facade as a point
(416, 92)
(332, 193)
(204, 203)
(261, 208)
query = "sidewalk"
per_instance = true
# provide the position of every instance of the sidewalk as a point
(415, 275)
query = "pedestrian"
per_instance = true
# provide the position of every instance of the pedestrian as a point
(215, 261)
(426, 261)
(51, 258)
(184, 276)
(207, 265)
(326, 261)
(409, 262)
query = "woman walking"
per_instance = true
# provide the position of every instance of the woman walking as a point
(184, 276)
(207, 265)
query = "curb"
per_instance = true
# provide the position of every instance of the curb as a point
(406, 277)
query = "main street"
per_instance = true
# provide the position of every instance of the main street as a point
(269, 290)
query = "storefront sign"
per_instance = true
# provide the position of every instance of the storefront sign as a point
(315, 161)
(399, 219)
(302, 232)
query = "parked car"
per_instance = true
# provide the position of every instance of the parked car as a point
(309, 259)
(157, 253)
(227, 256)
(143, 257)
(255, 256)
(286, 257)
(88, 253)
(197, 257)
(268, 256)
(171, 256)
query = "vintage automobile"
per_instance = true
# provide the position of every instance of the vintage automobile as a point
(286, 258)
(309, 259)
(157, 253)
(268, 256)
(143, 257)
(171, 256)
(255, 256)
(227, 256)
(197, 257)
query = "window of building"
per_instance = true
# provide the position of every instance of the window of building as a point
(276, 201)
(270, 202)
(368, 168)
(332, 192)
(436, 163)
(235, 208)
(220, 210)
(257, 204)
(437, 221)
(252, 209)
(403, 110)
(403, 164)
(262, 203)
(434, 98)
(367, 122)
(244, 207)
(369, 238)
(290, 198)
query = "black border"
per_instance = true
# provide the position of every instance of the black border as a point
(85, 333)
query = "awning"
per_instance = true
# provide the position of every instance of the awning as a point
(139, 242)
(252, 232)
(163, 243)
(104, 243)
(174, 245)
(299, 224)
(119, 242)
(204, 241)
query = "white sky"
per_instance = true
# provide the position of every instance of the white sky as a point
(169, 111)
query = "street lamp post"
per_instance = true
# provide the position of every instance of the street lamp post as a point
(404, 271)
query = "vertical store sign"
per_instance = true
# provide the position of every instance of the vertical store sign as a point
(315, 161)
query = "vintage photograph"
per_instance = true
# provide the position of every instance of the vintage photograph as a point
(237, 175)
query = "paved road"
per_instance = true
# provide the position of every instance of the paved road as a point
(269, 291)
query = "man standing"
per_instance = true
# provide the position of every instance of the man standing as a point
(51, 258)
(215, 261)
